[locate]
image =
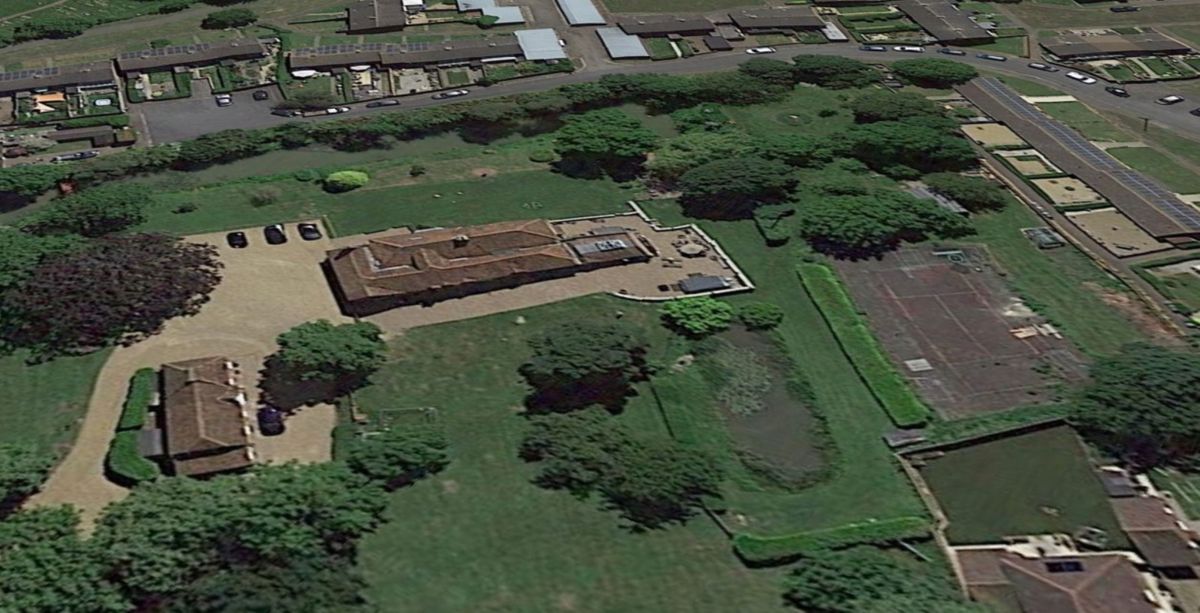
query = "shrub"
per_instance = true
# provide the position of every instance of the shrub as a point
(264, 197)
(760, 315)
(697, 317)
(856, 340)
(417, 170)
(126, 463)
(345, 180)
(228, 18)
(306, 175)
(137, 400)
(934, 72)
(187, 207)
(779, 549)
(116, 121)
(542, 156)
(486, 21)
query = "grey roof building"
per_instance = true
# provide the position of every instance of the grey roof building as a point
(775, 19)
(189, 55)
(1075, 47)
(540, 44)
(77, 75)
(581, 12)
(663, 26)
(373, 16)
(943, 20)
(620, 45)
(505, 15)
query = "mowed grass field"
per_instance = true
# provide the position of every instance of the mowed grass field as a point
(42, 404)
(1085, 120)
(480, 537)
(1157, 164)
(1035, 483)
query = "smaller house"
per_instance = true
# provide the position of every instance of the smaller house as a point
(89, 75)
(716, 43)
(1091, 583)
(703, 284)
(620, 45)
(768, 20)
(204, 417)
(376, 16)
(666, 26)
(1158, 534)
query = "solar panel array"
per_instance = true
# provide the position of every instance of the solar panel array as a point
(1153, 192)
(165, 51)
(29, 74)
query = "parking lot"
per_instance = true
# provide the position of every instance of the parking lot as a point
(187, 118)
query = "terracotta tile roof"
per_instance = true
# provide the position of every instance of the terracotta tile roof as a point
(200, 410)
(1102, 583)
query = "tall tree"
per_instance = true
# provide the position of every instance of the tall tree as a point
(607, 140)
(1144, 404)
(867, 224)
(116, 288)
(883, 105)
(21, 252)
(974, 193)
(401, 454)
(731, 188)
(934, 72)
(699, 316)
(841, 581)
(94, 212)
(833, 71)
(769, 71)
(697, 148)
(328, 352)
(22, 469)
(904, 149)
(584, 363)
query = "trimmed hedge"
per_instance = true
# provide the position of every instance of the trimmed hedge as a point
(115, 120)
(944, 432)
(125, 463)
(761, 550)
(138, 399)
(855, 338)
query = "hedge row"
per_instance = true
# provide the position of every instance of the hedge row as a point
(126, 463)
(855, 338)
(991, 423)
(116, 120)
(778, 549)
(138, 399)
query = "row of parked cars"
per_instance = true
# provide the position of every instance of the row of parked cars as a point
(1119, 92)
(274, 234)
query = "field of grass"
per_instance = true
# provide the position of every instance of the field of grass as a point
(660, 49)
(1028, 88)
(42, 404)
(12, 7)
(481, 537)
(1085, 120)
(1158, 165)
(808, 109)
(1037, 276)
(1034, 483)
(1182, 287)
(1053, 16)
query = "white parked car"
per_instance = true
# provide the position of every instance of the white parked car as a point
(1082, 78)
(1172, 99)
(909, 49)
(760, 50)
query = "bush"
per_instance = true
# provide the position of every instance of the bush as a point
(934, 72)
(126, 463)
(264, 197)
(697, 317)
(116, 121)
(542, 156)
(345, 180)
(137, 400)
(779, 549)
(185, 208)
(417, 170)
(760, 315)
(859, 344)
(228, 18)
(306, 175)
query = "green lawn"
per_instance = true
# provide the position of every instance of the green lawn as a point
(1038, 277)
(1182, 287)
(42, 404)
(1034, 483)
(1028, 88)
(12, 7)
(809, 110)
(660, 49)
(481, 537)
(1011, 45)
(1158, 165)
(1085, 120)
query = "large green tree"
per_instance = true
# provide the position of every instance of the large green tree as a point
(833, 71)
(731, 188)
(692, 149)
(324, 351)
(401, 454)
(1143, 404)
(22, 469)
(604, 141)
(116, 288)
(584, 363)
(934, 72)
(905, 149)
(878, 220)
(699, 316)
(228, 18)
(843, 581)
(884, 105)
(974, 193)
(93, 212)
(769, 71)
(21, 252)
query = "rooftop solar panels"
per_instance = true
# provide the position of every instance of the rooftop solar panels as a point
(1150, 205)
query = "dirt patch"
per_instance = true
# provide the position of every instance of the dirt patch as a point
(483, 173)
(1137, 312)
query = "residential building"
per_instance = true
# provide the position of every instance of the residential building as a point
(189, 56)
(1083, 47)
(1161, 536)
(90, 74)
(376, 16)
(204, 417)
(944, 21)
(650, 26)
(427, 266)
(1085, 583)
(766, 20)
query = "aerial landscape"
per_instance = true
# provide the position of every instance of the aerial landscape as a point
(836, 306)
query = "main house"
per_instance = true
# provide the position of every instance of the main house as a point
(427, 266)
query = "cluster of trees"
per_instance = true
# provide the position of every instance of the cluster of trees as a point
(583, 364)
(698, 317)
(604, 141)
(934, 72)
(870, 580)
(1143, 405)
(319, 361)
(228, 18)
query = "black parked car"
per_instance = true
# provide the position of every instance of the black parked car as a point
(309, 231)
(1195, 111)
(379, 103)
(947, 51)
(287, 112)
(1117, 91)
(270, 421)
(261, 95)
(237, 240)
(274, 234)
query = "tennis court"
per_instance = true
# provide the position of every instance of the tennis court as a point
(953, 328)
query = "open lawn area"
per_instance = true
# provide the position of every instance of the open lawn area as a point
(1078, 307)
(480, 537)
(1083, 119)
(1158, 165)
(1026, 87)
(1011, 45)
(807, 109)
(41, 404)
(1033, 483)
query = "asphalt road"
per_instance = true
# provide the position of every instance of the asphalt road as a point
(166, 124)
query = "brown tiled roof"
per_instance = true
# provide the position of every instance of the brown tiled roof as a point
(189, 55)
(437, 259)
(1155, 532)
(795, 17)
(1103, 583)
(374, 15)
(223, 461)
(1070, 46)
(943, 20)
(200, 411)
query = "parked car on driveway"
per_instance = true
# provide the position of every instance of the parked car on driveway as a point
(237, 240)
(275, 234)
(1082, 78)
(287, 112)
(454, 93)
(72, 157)
(760, 50)
(872, 48)
(908, 49)
(378, 103)
(309, 231)
(223, 99)
(270, 421)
